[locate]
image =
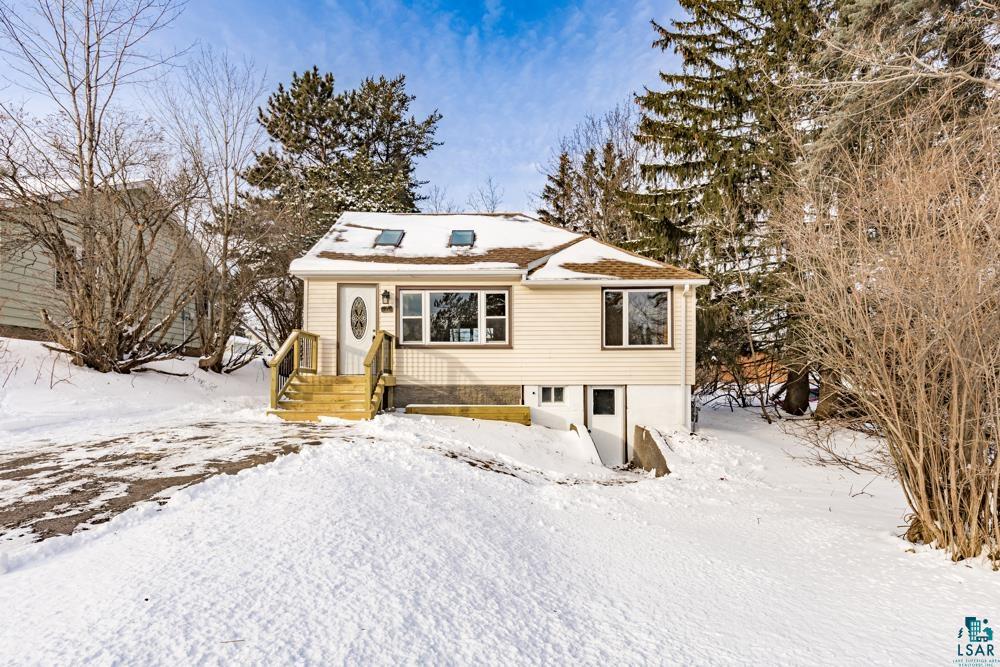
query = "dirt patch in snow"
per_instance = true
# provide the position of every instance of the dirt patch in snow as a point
(48, 490)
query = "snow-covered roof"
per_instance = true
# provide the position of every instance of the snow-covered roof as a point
(512, 243)
(590, 259)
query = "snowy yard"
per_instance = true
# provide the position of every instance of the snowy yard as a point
(415, 539)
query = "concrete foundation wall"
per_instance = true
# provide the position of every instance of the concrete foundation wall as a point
(25, 333)
(658, 406)
(555, 415)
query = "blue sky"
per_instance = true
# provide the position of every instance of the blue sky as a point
(509, 76)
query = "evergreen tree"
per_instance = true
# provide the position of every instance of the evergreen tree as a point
(339, 151)
(586, 187)
(352, 150)
(558, 194)
(893, 58)
(718, 147)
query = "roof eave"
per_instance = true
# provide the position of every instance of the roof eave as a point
(408, 273)
(618, 282)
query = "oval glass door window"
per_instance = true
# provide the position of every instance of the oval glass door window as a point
(359, 318)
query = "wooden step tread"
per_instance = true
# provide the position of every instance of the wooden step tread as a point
(309, 395)
(314, 415)
(329, 379)
(287, 404)
(342, 389)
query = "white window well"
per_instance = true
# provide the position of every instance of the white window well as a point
(459, 317)
(389, 237)
(637, 318)
(553, 395)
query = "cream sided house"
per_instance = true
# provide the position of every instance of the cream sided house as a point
(489, 310)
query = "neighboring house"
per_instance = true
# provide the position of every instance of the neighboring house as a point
(497, 309)
(29, 283)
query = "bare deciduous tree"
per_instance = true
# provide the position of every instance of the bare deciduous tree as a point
(437, 201)
(602, 158)
(486, 198)
(90, 187)
(213, 119)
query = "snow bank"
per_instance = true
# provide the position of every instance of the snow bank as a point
(558, 454)
(378, 549)
(43, 395)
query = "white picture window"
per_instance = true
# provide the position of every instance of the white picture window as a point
(637, 318)
(455, 317)
(552, 395)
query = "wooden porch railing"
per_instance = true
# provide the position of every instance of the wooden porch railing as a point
(299, 354)
(378, 364)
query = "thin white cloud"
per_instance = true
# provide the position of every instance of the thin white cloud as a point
(507, 86)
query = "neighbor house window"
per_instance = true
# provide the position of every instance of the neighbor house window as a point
(62, 277)
(637, 318)
(553, 395)
(389, 237)
(454, 317)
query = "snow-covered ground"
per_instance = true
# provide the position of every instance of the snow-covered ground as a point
(42, 395)
(417, 539)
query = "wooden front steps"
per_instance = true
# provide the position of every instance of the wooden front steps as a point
(518, 414)
(310, 397)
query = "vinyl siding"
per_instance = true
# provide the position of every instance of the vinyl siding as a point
(320, 317)
(28, 285)
(556, 340)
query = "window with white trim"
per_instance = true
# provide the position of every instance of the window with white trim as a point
(411, 316)
(638, 318)
(553, 395)
(454, 317)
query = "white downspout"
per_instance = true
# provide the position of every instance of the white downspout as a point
(685, 398)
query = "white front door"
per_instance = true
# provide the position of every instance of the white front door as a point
(606, 420)
(356, 329)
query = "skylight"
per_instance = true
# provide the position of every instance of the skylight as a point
(389, 237)
(465, 237)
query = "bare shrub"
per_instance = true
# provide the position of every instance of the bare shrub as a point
(898, 283)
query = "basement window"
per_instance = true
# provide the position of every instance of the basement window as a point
(464, 237)
(553, 395)
(389, 237)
